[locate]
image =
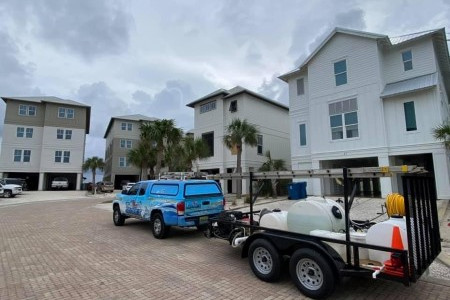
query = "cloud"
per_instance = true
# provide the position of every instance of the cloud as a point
(275, 89)
(87, 28)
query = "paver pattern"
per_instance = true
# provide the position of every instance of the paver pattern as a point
(72, 250)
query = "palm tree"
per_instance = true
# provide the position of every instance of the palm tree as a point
(194, 149)
(272, 165)
(93, 164)
(163, 134)
(239, 133)
(442, 133)
(144, 157)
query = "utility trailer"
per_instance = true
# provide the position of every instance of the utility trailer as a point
(314, 265)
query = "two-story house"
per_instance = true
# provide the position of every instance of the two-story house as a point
(44, 138)
(215, 111)
(122, 134)
(364, 99)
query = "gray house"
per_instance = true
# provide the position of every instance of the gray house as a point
(122, 135)
(44, 138)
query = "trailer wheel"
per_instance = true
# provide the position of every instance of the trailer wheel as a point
(311, 273)
(264, 260)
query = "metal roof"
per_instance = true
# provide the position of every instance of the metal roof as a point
(409, 85)
(136, 117)
(233, 92)
(55, 100)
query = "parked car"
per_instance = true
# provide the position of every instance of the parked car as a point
(60, 183)
(10, 190)
(166, 203)
(105, 187)
(19, 181)
(127, 186)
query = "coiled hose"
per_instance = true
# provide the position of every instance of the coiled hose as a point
(395, 205)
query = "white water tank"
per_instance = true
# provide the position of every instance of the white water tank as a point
(275, 220)
(381, 235)
(359, 237)
(316, 213)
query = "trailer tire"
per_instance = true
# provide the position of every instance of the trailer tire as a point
(311, 273)
(264, 260)
(159, 228)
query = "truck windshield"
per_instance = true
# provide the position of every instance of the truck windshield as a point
(201, 189)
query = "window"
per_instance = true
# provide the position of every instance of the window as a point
(66, 113)
(233, 106)
(126, 144)
(344, 119)
(208, 106)
(209, 140)
(17, 155)
(340, 72)
(27, 110)
(66, 158)
(29, 133)
(58, 156)
(20, 131)
(68, 134)
(126, 126)
(59, 134)
(300, 86)
(24, 132)
(410, 116)
(26, 155)
(259, 147)
(129, 144)
(123, 162)
(122, 143)
(302, 128)
(407, 60)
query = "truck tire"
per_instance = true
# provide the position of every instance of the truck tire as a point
(118, 218)
(159, 229)
(311, 273)
(264, 260)
(7, 194)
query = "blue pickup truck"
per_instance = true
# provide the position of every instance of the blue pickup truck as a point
(166, 203)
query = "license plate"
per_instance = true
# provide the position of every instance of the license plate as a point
(203, 219)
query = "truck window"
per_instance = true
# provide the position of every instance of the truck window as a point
(143, 188)
(165, 189)
(134, 189)
(201, 189)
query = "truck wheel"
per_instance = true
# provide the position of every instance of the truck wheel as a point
(7, 194)
(264, 260)
(311, 273)
(159, 229)
(118, 218)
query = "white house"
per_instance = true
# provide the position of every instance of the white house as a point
(364, 99)
(215, 111)
(44, 138)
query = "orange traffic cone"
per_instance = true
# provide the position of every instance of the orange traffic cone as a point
(394, 266)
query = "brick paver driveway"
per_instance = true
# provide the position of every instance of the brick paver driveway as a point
(72, 250)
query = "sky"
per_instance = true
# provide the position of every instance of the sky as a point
(153, 57)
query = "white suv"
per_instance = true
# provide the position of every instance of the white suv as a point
(10, 190)
(60, 183)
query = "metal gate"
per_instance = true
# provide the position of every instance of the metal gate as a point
(424, 241)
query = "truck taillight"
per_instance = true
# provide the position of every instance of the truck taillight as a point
(224, 202)
(180, 208)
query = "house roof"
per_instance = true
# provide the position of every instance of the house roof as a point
(410, 85)
(136, 117)
(233, 92)
(438, 36)
(55, 100)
